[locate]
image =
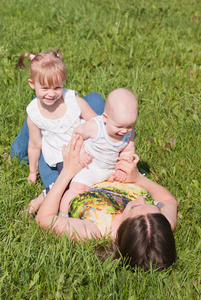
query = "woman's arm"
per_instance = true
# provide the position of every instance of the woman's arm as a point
(158, 192)
(47, 215)
(34, 150)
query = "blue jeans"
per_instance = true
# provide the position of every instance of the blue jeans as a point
(19, 147)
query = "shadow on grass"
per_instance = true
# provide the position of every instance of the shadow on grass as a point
(143, 167)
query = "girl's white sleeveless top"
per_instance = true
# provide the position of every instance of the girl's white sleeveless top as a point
(56, 133)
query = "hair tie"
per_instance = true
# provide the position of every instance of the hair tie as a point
(32, 56)
(58, 55)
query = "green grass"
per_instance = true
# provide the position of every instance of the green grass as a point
(151, 47)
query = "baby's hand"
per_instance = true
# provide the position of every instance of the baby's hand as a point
(119, 175)
(85, 159)
(32, 177)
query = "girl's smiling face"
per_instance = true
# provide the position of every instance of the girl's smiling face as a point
(48, 95)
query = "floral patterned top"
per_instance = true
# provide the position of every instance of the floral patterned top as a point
(104, 201)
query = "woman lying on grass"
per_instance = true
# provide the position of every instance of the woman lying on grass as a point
(141, 231)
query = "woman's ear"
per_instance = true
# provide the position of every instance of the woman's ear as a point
(31, 83)
(104, 117)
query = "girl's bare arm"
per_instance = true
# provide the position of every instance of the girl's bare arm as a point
(34, 150)
(86, 110)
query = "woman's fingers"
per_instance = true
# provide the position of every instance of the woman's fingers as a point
(136, 158)
(125, 165)
(78, 144)
(125, 158)
(71, 154)
(74, 145)
(130, 168)
(63, 150)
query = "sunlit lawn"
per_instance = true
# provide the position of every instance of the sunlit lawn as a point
(154, 49)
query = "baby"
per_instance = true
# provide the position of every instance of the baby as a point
(107, 138)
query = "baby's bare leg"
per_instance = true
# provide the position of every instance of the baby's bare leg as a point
(35, 204)
(74, 189)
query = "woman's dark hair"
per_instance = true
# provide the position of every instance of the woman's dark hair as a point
(146, 240)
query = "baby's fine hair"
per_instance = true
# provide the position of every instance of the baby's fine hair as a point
(45, 67)
(120, 97)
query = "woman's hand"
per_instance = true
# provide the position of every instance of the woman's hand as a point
(130, 168)
(50, 206)
(71, 154)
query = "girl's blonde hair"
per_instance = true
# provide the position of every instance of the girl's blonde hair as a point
(45, 67)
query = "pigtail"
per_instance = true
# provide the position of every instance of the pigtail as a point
(57, 52)
(20, 63)
(46, 67)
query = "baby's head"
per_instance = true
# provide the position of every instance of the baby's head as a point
(121, 110)
(47, 68)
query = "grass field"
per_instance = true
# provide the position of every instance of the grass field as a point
(154, 49)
